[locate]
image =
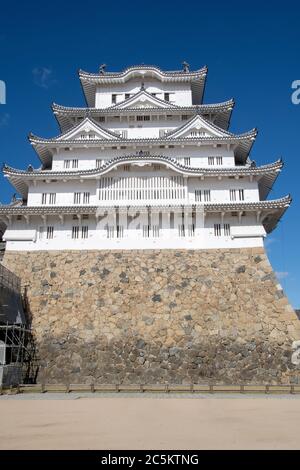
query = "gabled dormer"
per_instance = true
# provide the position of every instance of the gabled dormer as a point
(143, 99)
(88, 129)
(197, 126)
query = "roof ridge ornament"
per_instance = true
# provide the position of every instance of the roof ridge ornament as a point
(143, 86)
(102, 69)
(186, 67)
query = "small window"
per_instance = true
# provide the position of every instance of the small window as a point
(206, 194)
(181, 230)
(219, 160)
(167, 96)
(85, 216)
(113, 98)
(187, 161)
(127, 95)
(67, 163)
(50, 231)
(232, 195)
(146, 231)
(98, 163)
(191, 230)
(155, 231)
(226, 230)
(52, 198)
(241, 194)
(110, 231)
(156, 167)
(120, 231)
(77, 198)
(84, 231)
(217, 230)
(126, 167)
(211, 160)
(198, 195)
(44, 198)
(75, 232)
(75, 163)
(86, 198)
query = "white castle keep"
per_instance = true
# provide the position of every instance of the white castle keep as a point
(145, 165)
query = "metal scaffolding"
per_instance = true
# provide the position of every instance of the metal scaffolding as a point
(18, 352)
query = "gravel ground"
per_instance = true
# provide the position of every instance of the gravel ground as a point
(149, 421)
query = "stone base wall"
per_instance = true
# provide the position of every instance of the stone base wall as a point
(157, 316)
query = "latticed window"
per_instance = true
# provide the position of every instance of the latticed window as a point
(146, 231)
(155, 231)
(226, 230)
(217, 230)
(52, 198)
(241, 194)
(219, 160)
(44, 198)
(198, 195)
(120, 231)
(187, 161)
(110, 231)
(206, 194)
(86, 198)
(75, 232)
(232, 195)
(141, 188)
(211, 160)
(98, 163)
(77, 198)
(50, 232)
(191, 230)
(84, 231)
(181, 230)
(67, 163)
(75, 163)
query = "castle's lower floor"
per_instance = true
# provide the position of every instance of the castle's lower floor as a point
(156, 316)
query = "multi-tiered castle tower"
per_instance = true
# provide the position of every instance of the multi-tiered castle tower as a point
(146, 165)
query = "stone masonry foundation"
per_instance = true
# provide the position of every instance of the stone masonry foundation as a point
(156, 316)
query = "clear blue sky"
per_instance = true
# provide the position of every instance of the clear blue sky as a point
(252, 50)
